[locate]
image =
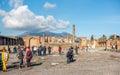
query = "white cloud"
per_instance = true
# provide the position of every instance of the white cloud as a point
(3, 13)
(49, 5)
(22, 18)
(15, 3)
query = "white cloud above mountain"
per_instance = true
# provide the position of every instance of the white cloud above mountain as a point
(21, 18)
(49, 5)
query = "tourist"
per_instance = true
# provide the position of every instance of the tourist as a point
(5, 57)
(44, 50)
(67, 50)
(49, 50)
(20, 56)
(70, 55)
(86, 48)
(24, 50)
(116, 47)
(28, 57)
(71, 48)
(35, 50)
(14, 50)
(40, 50)
(60, 50)
(113, 47)
(76, 49)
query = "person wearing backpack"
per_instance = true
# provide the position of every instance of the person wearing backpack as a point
(40, 50)
(68, 55)
(5, 57)
(28, 57)
(20, 56)
(76, 49)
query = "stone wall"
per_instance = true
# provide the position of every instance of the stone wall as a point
(118, 45)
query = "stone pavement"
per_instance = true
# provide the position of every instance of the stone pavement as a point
(94, 62)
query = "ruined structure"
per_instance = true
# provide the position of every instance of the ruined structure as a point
(10, 41)
(65, 42)
(103, 41)
(73, 33)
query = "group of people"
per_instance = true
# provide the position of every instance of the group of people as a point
(43, 50)
(70, 53)
(27, 53)
(20, 55)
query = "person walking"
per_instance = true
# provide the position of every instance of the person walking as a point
(14, 50)
(76, 49)
(49, 50)
(44, 50)
(68, 55)
(40, 50)
(28, 57)
(5, 57)
(60, 50)
(71, 55)
(20, 56)
(86, 48)
(35, 50)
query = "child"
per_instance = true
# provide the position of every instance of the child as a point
(5, 57)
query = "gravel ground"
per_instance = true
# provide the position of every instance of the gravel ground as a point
(94, 62)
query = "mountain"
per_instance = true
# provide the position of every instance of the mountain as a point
(47, 33)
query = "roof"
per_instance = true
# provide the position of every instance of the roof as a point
(7, 37)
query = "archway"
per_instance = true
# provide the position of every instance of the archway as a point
(33, 41)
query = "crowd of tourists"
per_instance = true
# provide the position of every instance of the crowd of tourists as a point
(20, 55)
(27, 53)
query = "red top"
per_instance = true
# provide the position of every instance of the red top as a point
(60, 49)
(28, 55)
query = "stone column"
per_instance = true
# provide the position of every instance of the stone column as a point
(73, 33)
(44, 38)
(67, 38)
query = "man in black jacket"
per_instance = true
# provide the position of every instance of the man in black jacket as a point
(70, 55)
(44, 50)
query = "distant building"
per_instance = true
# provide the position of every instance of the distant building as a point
(10, 41)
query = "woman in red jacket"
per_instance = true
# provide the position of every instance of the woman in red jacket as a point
(60, 50)
(28, 57)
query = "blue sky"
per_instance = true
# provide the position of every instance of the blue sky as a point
(96, 17)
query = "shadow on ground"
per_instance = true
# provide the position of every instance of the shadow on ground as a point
(15, 65)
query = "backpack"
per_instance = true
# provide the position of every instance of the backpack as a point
(6, 56)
